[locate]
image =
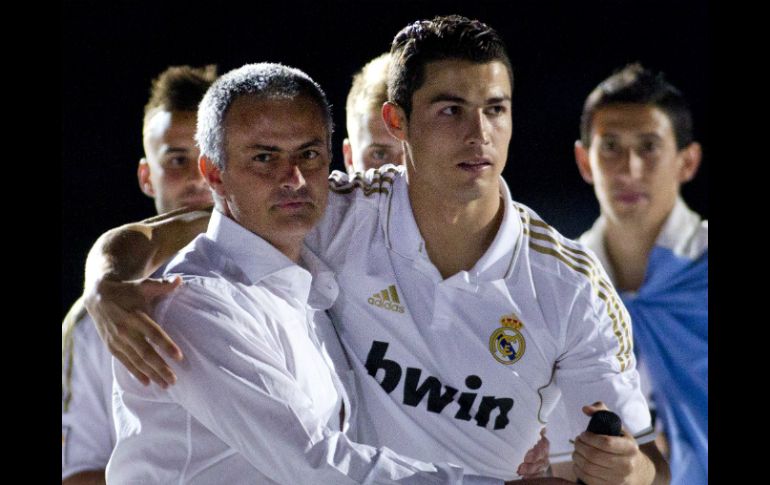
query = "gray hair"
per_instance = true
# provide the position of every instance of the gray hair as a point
(264, 80)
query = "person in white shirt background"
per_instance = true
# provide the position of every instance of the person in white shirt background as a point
(637, 148)
(168, 173)
(369, 145)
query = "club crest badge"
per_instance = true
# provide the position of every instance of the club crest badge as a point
(507, 344)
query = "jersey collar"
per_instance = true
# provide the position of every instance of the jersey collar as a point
(403, 236)
(679, 234)
(258, 260)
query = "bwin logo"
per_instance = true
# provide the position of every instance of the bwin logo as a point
(414, 391)
(388, 299)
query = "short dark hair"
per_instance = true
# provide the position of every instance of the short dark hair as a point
(263, 80)
(448, 37)
(636, 85)
(180, 88)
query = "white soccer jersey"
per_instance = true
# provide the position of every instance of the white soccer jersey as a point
(467, 369)
(88, 433)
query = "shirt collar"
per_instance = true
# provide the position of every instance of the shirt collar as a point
(679, 229)
(675, 234)
(258, 259)
(403, 236)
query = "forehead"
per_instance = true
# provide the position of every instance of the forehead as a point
(466, 79)
(632, 119)
(274, 121)
(164, 125)
(370, 128)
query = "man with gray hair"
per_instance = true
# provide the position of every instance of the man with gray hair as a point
(258, 399)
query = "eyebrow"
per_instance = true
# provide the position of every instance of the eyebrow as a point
(446, 97)
(646, 134)
(175, 150)
(273, 148)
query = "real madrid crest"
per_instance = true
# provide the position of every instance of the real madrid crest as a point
(507, 344)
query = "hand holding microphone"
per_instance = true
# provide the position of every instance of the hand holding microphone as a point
(606, 423)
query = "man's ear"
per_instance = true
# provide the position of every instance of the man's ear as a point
(347, 156)
(691, 157)
(212, 174)
(143, 176)
(583, 162)
(395, 120)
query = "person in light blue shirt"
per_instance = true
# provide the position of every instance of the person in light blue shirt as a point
(637, 149)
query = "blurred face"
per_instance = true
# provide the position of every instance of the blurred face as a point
(275, 180)
(370, 145)
(459, 129)
(634, 164)
(169, 171)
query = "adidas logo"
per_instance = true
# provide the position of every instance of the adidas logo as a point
(388, 299)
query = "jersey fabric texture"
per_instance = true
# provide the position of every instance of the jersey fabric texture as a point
(466, 369)
(257, 399)
(88, 432)
(670, 319)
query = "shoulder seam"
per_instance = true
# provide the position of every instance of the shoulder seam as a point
(581, 263)
(376, 185)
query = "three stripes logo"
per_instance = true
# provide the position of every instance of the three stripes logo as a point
(387, 299)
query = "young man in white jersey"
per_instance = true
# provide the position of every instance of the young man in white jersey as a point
(463, 315)
(369, 145)
(169, 174)
(637, 148)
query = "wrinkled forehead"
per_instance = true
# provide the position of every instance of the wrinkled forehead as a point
(275, 120)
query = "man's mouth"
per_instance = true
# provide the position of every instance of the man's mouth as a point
(293, 204)
(630, 197)
(475, 164)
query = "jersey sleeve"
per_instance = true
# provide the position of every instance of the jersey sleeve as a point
(351, 198)
(88, 434)
(598, 364)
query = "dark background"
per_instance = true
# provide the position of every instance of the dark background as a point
(559, 51)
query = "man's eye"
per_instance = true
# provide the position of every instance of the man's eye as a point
(310, 154)
(175, 162)
(609, 146)
(495, 110)
(381, 155)
(649, 147)
(450, 110)
(263, 157)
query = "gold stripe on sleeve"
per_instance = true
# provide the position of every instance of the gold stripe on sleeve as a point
(581, 262)
(74, 316)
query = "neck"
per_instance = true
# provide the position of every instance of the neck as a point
(290, 246)
(291, 251)
(628, 247)
(456, 233)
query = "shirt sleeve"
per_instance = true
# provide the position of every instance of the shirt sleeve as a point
(235, 380)
(88, 434)
(598, 364)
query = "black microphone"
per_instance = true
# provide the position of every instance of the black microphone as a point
(606, 423)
